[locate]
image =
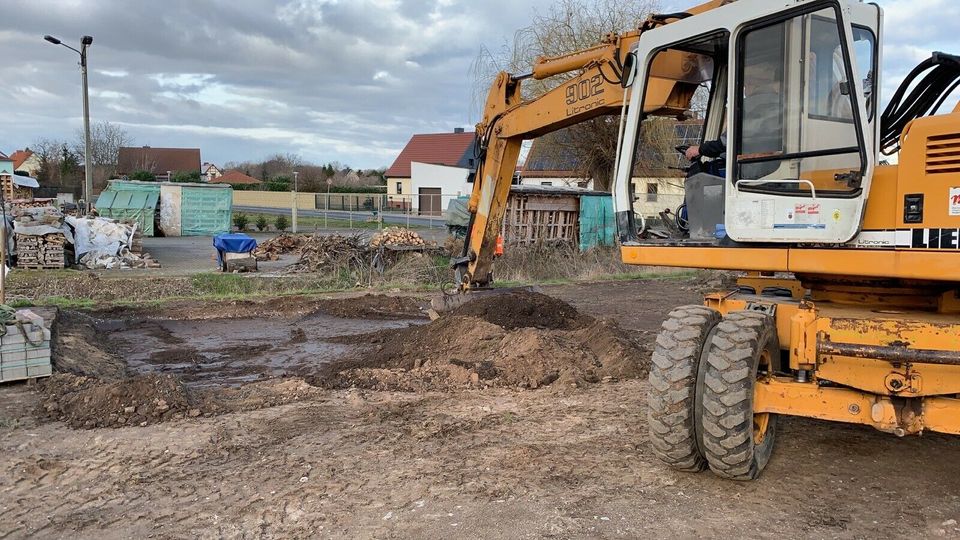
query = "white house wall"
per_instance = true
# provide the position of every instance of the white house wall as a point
(452, 181)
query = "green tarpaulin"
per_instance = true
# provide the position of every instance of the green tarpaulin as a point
(205, 211)
(597, 224)
(138, 206)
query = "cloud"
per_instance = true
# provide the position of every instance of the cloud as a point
(340, 80)
(333, 80)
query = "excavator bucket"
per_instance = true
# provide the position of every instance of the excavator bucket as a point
(450, 302)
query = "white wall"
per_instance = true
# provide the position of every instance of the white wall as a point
(554, 181)
(452, 181)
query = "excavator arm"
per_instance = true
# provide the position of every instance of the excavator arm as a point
(508, 120)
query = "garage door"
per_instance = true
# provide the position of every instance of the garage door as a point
(430, 202)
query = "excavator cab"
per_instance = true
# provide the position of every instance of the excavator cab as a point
(791, 94)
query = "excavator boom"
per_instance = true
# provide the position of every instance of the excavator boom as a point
(596, 89)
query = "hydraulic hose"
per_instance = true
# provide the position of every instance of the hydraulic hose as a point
(929, 86)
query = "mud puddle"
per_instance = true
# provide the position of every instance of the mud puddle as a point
(231, 352)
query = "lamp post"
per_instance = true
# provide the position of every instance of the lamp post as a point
(85, 42)
(295, 202)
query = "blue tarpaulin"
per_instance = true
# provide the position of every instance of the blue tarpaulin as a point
(233, 243)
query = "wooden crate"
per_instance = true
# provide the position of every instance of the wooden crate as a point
(541, 218)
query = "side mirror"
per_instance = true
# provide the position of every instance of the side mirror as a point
(629, 70)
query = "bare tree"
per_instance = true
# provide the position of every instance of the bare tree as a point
(106, 139)
(568, 26)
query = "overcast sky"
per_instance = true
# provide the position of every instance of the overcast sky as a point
(331, 80)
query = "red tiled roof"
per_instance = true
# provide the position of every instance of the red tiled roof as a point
(19, 157)
(234, 177)
(158, 160)
(433, 148)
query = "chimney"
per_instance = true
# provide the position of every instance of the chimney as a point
(458, 130)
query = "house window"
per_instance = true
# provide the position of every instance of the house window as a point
(399, 188)
(546, 183)
(652, 190)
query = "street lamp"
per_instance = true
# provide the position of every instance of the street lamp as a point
(85, 42)
(296, 202)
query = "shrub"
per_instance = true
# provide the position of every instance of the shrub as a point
(143, 176)
(261, 222)
(240, 221)
(281, 223)
(183, 177)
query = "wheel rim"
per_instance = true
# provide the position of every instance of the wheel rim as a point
(761, 421)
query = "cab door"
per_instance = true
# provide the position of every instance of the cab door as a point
(801, 154)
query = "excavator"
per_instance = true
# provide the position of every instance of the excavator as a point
(849, 308)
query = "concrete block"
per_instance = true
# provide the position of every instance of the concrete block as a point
(40, 371)
(13, 374)
(34, 362)
(38, 353)
(12, 337)
(18, 356)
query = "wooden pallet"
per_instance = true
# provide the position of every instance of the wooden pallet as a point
(538, 218)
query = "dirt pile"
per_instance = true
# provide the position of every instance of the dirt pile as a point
(258, 395)
(86, 402)
(523, 340)
(522, 309)
(372, 306)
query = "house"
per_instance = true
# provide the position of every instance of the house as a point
(209, 172)
(6, 174)
(26, 161)
(162, 162)
(235, 178)
(447, 159)
(435, 185)
(657, 178)
(15, 186)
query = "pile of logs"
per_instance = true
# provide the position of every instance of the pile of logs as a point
(330, 254)
(40, 252)
(396, 236)
(272, 249)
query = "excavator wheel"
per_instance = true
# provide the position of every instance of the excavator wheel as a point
(671, 413)
(736, 442)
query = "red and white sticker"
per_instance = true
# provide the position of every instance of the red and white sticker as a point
(955, 201)
(806, 213)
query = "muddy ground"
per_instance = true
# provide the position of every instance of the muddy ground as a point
(223, 436)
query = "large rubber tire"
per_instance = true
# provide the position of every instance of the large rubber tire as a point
(736, 444)
(671, 415)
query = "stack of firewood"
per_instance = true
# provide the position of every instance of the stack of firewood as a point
(396, 236)
(40, 252)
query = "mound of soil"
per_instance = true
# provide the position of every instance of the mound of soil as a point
(85, 402)
(461, 350)
(77, 349)
(523, 309)
(372, 306)
(258, 395)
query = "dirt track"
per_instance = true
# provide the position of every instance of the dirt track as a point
(492, 463)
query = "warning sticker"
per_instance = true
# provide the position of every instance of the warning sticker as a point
(955, 201)
(807, 214)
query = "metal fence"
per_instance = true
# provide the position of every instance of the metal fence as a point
(352, 210)
(372, 210)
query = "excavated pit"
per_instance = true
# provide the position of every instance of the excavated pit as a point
(115, 370)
